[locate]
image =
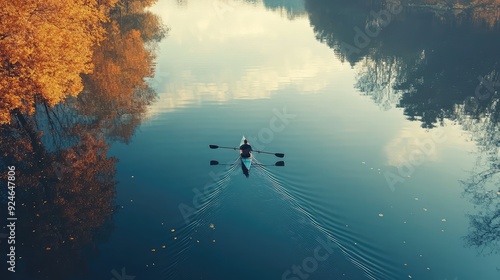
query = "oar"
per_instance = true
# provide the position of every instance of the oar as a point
(278, 163)
(222, 147)
(214, 162)
(280, 155)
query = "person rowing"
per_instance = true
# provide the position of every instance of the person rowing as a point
(245, 150)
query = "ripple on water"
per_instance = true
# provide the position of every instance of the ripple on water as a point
(326, 218)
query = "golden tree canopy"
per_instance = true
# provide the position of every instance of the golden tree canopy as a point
(44, 47)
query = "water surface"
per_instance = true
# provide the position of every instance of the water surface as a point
(390, 153)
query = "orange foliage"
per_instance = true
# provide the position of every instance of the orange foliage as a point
(486, 2)
(44, 47)
(121, 64)
(68, 195)
(120, 72)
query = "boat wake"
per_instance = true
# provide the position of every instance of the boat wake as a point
(353, 257)
(198, 226)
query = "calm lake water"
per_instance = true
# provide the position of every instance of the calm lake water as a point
(389, 139)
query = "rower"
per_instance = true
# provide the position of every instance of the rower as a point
(245, 150)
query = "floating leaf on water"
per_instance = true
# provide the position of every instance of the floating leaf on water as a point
(443, 220)
(212, 226)
(425, 209)
(163, 247)
(153, 250)
(172, 230)
(380, 215)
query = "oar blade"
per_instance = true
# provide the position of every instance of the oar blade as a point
(279, 155)
(214, 162)
(213, 146)
(280, 163)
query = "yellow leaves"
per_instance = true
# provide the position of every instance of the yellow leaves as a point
(44, 48)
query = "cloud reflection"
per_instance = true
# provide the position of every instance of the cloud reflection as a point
(413, 143)
(237, 55)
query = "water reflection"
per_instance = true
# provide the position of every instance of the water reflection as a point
(414, 61)
(440, 66)
(66, 180)
(480, 116)
(65, 196)
(289, 8)
(230, 53)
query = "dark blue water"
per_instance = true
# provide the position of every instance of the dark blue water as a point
(379, 177)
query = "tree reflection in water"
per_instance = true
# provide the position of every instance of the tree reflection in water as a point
(66, 182)
(428, 61)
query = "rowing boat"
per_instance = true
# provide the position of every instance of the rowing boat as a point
(247, 162)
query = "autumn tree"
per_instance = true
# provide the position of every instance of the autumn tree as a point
(149, 24)
(116, 93)
(68, 184)
(44, 48)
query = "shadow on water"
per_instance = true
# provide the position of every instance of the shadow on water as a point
(65, 181)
